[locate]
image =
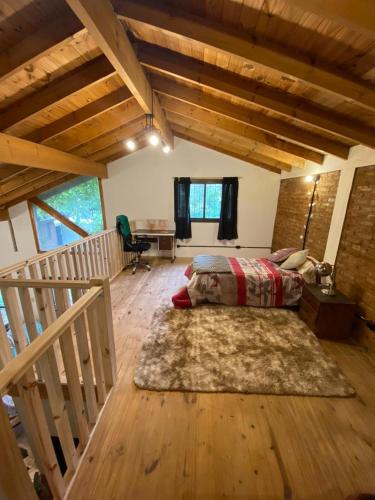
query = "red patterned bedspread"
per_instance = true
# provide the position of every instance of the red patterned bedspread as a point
(252, 282)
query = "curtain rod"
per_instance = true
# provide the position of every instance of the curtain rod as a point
(205, 178)
(238, 247)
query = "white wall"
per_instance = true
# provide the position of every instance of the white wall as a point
(19, 215)
(360, 156)
(141, 187)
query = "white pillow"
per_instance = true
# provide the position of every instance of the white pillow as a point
(295, 260)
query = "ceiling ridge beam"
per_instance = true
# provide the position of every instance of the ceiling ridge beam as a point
(109, 34)
(79, 116)
(234, 112)
(59, 89)
(16, 151)
(234, 42)
(197, 72)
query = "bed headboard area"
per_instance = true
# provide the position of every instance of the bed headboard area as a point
(293, 208)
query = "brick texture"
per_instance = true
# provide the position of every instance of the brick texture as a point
(355, 262)
(292, 210)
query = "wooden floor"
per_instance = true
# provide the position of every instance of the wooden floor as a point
(172, 446)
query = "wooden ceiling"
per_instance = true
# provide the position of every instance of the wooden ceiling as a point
(272, 82)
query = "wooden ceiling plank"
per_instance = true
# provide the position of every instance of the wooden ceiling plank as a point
(233, 42)
(126, 131)
(58, 216)
(239, 114)
(80, 78)
(188, 135)
(122, 152)
(203, 74)
(40, 43)
(80, 116)
(108, 32)
(22, 179)
(9, 171)
(97, 126)
(228, 125)
(24, 193)
(353, 14)
(16, 151)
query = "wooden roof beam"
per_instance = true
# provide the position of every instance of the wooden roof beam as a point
(4, 214)
(80, 116)
(17, 151)
(222, 108)
(51, 94)
(30, 175)
(24, 193)
(49, 38)
(209, 142)
(232, 41)
(109, 33)
(164, 61)
(227, 125)
(353, 14)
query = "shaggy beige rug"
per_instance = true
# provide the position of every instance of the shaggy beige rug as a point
(236, 349)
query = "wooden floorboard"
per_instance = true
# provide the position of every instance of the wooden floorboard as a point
(173, 446)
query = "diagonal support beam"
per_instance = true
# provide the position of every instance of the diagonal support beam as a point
(108, 32)
(20, 152)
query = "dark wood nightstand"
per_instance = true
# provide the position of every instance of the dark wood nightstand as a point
(328, 317)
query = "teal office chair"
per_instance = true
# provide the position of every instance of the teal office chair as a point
(132, 246)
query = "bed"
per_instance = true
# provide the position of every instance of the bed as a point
(241, 281)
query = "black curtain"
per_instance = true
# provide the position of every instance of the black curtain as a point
(228, 213)
(182, 207)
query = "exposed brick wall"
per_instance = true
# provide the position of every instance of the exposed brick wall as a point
(292, 209)
(355, 262)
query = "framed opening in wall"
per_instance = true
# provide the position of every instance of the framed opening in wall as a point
(67, 213)
(205, 200)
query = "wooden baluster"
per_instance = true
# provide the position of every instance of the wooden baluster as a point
(102, 270)
(86, 257)
(37, 427)
(92, 255)
(5, 351)
(96, 352)
(15, 482)
(105, 330)
(81, 262)
(85, 361)
(69, 360)
(107, 257)
(50, 372)
(75, 260)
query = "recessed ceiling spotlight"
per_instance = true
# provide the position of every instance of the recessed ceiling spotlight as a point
(130, 145)
(166, 149)
(153, 139)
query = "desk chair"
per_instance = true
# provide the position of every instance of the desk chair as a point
(130, 245)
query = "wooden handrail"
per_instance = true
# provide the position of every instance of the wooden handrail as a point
(31, 283)
(18, 366)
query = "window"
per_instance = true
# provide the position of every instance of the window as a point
(205, 200)
(78, 202)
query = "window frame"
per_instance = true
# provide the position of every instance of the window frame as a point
(205, 182)
(30, 205)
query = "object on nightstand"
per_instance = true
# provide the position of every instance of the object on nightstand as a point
(329, 317)
(323, 270)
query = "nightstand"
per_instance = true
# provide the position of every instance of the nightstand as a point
(329, 317)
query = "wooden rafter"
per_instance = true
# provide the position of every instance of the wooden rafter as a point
(205, 75)
(354, 14)
(211, 143)
(4, 214)
(43, 41)
(60, 217)
(97, 126)
(238, 114)
(98, 144)
(80, 116)
(228, 125)
(21, 179)
(230, 41)
(54, 92)
(119, 150)
(109, 34)
(20, 152)
(23, 193)
(9, 171)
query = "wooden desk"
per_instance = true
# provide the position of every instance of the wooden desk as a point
(165, 238)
